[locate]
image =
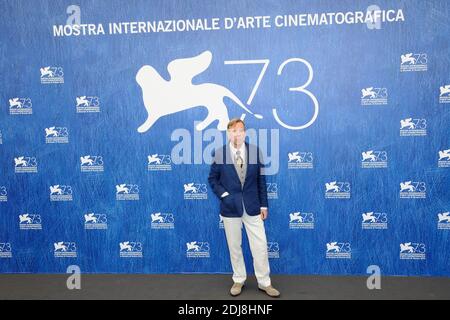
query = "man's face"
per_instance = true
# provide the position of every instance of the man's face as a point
(236, 134)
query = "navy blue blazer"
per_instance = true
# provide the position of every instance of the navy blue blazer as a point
(223, 177)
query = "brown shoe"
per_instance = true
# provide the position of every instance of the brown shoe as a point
(236, 289)
(270, 291)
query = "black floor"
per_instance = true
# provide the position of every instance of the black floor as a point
(216, 287)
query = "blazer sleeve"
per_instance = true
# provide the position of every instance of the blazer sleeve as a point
(262, 187)
(214, 176)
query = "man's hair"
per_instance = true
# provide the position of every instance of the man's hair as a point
(235, 121)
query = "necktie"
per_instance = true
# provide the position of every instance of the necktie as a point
(239, 160)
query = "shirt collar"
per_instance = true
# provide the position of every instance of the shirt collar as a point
(241, 149)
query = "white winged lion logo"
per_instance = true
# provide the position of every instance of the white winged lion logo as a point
(162, 97)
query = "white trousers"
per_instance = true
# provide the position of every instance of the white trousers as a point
(256, 234)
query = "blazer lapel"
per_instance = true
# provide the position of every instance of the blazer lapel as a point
(246, 159)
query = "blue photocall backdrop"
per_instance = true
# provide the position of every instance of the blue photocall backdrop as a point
(353, 117)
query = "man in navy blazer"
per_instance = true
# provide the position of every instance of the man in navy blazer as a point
(236, 178)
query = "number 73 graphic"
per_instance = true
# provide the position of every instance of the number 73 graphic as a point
(301, 88)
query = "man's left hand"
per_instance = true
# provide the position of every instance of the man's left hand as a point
(264, 214)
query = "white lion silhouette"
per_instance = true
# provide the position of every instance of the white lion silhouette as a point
(407, 123)
(46, 72)
(189, 187)
(368, 155)
(82, 101)
(51, 131)
(408, 58)
(331, 186)
(162, 97)
(368, 217)
(333, 247)
(192, 246)
(90, 218)
(406, 247)
(15, 102)
(407, 186)
(86, 160)
(294, 156)
(20, 162)
(121, 188)
(444, 90)
(154, 158)
(55, 189)
(24, 218)
(157, 217)
(445, 216)
(125, 246)
(444, 154)
(368, 92)
(295, 217)
(59, 246)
